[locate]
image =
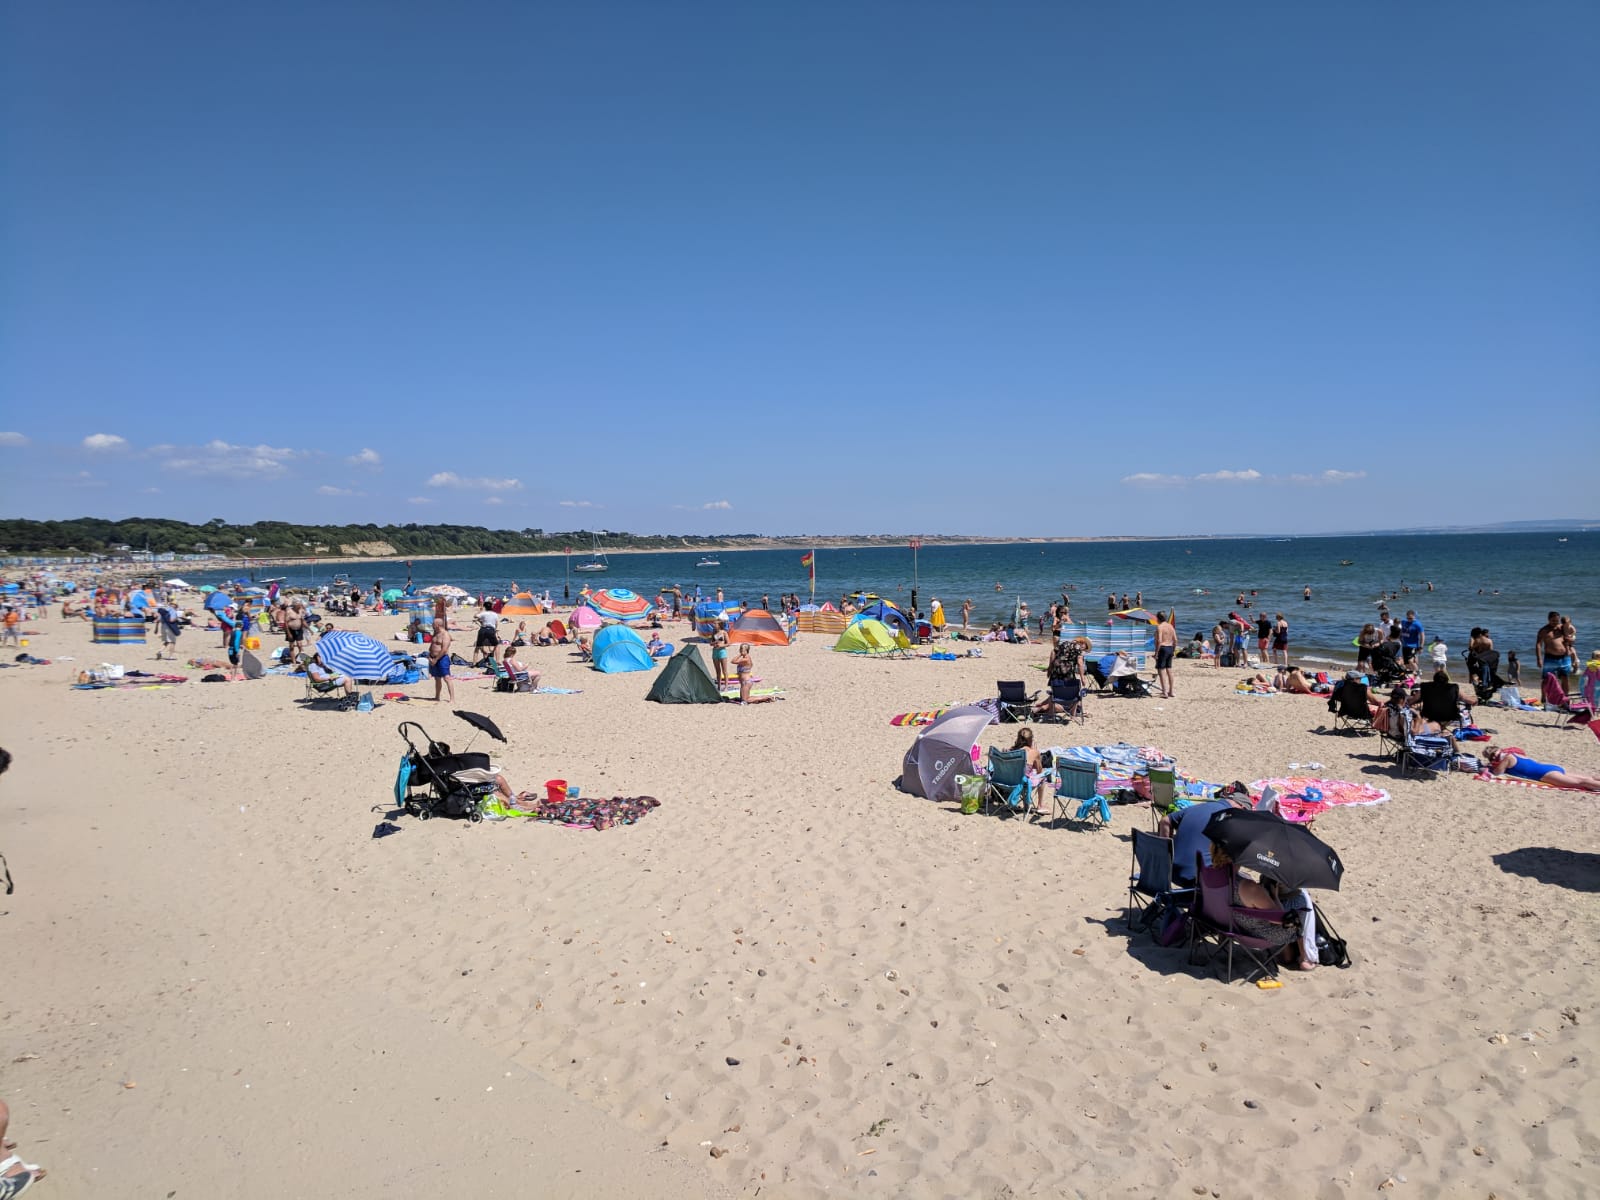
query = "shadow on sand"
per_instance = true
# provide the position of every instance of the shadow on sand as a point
(1576, 870)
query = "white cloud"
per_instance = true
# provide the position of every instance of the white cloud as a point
(450, 479)
(225, 460)
(494, 500)
(1149, 479)
(579, 504)
(418, 500)
(716, 504)
(367, 458)
(104, 441)
(329, 490)
(12, 439)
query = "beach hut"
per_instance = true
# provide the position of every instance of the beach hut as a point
(618, 648)
(867, 637)
(685, 680)
(942, 751)
(758, 627)
(522, 606)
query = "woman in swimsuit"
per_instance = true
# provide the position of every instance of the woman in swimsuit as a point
(744, 666)
(719, 652)
(1280, 641)
(1511, 761)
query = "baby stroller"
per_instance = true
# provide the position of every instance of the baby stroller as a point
(433, 782)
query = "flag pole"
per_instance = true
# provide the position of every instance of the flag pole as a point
(813, 574)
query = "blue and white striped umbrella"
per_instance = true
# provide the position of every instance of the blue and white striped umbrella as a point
(364, 659)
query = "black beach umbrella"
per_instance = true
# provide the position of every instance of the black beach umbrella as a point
(1277, 849)
(479, 721)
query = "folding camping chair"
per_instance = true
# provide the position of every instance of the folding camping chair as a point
(1351, 707)
(1006, 782)
(1163, 792)
(1015, 703)
(1066, 702)
(1425, 753)
(1150, 878)
(1568, 709)
(1214, 924)
(1441, 703)
(1079, 781)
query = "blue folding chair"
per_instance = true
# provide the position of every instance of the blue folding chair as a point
(1007, 777)
(1079, 781)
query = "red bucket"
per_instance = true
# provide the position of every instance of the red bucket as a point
(555, 790)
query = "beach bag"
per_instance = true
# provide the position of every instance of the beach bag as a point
(1332, 950)
(971, 792)
(1173, 928)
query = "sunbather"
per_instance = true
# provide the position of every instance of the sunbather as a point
(1293, 680)
(515, 667)
(327, 679)
(1513, 762)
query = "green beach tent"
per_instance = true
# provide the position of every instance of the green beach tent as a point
(685, 680)
(867, 636)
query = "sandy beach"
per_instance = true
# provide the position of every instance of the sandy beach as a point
(790, 980)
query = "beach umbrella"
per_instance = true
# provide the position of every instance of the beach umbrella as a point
(942, 751)
(479, 721)
(207, 588)
(393, 594)
(619, 604)
(446, 589)
(1288, 853)
(363, 658)
(1142, 615)
(217, 601)
(177, 583)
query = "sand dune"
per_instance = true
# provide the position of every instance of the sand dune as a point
(917, 1002)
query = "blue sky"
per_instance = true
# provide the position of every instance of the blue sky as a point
(1022, 269)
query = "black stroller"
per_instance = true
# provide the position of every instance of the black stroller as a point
(437, 783)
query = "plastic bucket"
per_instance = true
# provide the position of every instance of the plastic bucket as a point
(252, 643)
(555, 790)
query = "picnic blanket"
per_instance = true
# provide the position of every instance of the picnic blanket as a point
(1334, 792)
(1119, 767)
(597, 812)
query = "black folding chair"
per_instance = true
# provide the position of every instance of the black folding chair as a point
(1016, 705)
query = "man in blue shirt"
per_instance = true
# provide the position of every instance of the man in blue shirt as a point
(1410, 637)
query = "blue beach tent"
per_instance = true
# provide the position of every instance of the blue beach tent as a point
(618, 648)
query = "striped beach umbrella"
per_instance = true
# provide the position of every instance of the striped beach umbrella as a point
(619, 604)
(363, 658)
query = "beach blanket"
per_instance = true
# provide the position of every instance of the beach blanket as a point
(1485, 777)
(926, 717)
(1119, 767)
(1335, 792)
(554, 691)
(597, 812)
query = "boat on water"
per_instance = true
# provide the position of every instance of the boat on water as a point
(707, 561)
(1347, 562)
(1561, 539)
(596, 560)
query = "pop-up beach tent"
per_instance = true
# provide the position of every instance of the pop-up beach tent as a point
(759, 628)
(942, 751)
(520, 607)
(618, 648)
(867, 637)
(685, 680)
(888, 614)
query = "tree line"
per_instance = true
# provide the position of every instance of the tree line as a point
(281, 539)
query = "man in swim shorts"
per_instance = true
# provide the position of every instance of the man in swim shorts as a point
(1551, 652)
(1166, 647)
(439, 663)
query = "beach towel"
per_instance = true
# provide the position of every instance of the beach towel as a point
(1333, 793)
(597, 812)
(555, 691)
(1485, 777)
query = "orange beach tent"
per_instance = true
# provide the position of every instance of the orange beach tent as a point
(522, 605)
(758, 627)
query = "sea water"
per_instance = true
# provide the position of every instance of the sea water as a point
(1506, 582)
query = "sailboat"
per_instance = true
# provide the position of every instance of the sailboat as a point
(596, 560)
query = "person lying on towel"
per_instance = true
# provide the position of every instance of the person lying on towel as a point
(1512, 762)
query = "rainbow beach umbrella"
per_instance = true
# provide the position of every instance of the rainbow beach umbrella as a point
(619, 604)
